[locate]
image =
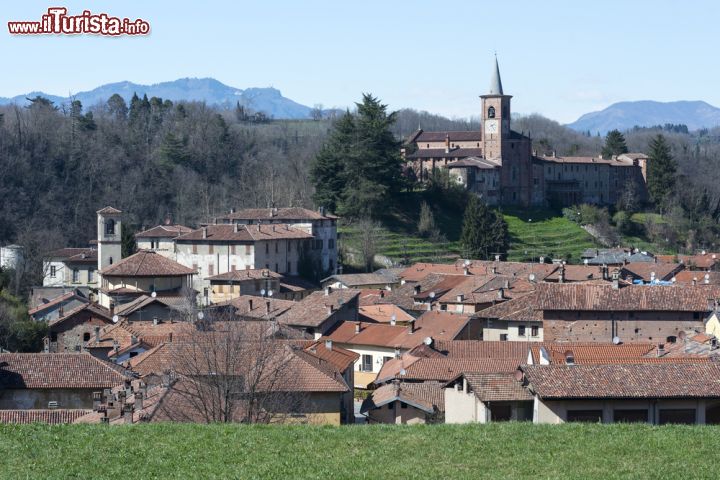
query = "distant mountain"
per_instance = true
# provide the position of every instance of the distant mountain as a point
(209, 90)
(646, 113)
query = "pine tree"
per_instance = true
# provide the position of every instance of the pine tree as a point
(328, 168)
(661, 171)
(614, 144)
(484, 231)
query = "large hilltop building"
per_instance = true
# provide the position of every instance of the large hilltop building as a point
(499, 164)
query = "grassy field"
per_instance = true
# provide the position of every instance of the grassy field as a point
(533, 232)
(492, 451)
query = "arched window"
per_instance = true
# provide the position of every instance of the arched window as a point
(491, 112)
(109, 226)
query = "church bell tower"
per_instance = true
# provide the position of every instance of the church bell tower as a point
(495, 117)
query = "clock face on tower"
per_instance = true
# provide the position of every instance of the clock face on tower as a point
(491, 126)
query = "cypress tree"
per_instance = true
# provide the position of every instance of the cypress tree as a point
(661, 170)
(484, 231)
(327, 170)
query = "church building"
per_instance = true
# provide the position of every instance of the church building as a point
(499, 164)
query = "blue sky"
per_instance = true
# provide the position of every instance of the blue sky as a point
(558, 58)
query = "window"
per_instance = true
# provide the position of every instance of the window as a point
(276, 247)
(534, 331)
(109, 226)
(211, 269)
(247, 249)
(491, 112)
(500, 413)
(194, 248)
(503, 337)
(630, 416)
(53, 336)
(211, 249)
(367, 363)
(267, 248)
(686, 416)
(277, 269)
(288, 268)
(521, 330)
(89, 275)
(75, 275)
(592, 416)
(86, 337)
(111, 260)
(403, 405)
(53, 270)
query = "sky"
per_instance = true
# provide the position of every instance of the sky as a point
(557, 58)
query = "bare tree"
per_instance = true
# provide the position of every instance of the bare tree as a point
(369, 233)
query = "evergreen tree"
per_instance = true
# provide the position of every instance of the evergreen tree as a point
(661, 171)
(614, 144)
(117, 107)
(484, 231)
(327, 169)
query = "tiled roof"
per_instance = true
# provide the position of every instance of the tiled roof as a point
(486, 289)
(666, 380)
(95, 310)
(296, 284)
(139, 303)
(426, 396)
(164, 231)
(687, 277)
(457, 136)
(434, 324)
(314, 309)
(418, 271)
(701, 261)
(646, 271)
(509, 269)
(445, 369)
(340, 357)
(590, 352)
(615, 162)
(146, 263)
(517, 351)
(289, 214)
(241, 275)
(50, 416)
(60, 299)
(243, 233)
(57, 370)
(521, 308)
(353, 280)
(497, 387)
(75, 255)
(578, 296)
(383, 313)
(620, 258)
(578, 273)
(475, 162)
(110, 210)
(440, 153)
(259, 307)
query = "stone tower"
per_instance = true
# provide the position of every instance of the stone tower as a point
(109, 236)
(495, 117)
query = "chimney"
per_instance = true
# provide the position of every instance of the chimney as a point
(397, 352)
(411, 327)
(133, 339)
(501, 294)
(460, 298)
(493, 270)
(328, 290)
(660, 349)
(416, 288)
(447, 143)
(561, 277)
(497, 258)
(170, 337)
(97, 334)
(138, 400)
(232, 209)
(128, 413)
(694, 281)
(204, 232)
(116, 346)
(236, 227)
(393, 320)
(616, 280)
(155, 321)
(328, 344)
(250, 304)
(357, 327)
(382, 293)
(168, 219)
(506, 285)
(466, 270)
(541, 259)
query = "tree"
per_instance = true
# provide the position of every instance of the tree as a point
(661, 171)
(317, 112)
(484, 231)
(327, 170)
(426, 224)
(369, 233)
(117, 108)
(614, 144)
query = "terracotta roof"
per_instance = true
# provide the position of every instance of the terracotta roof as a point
(486, 289)
(666, 380)
(647, 271)
(354, 280)
(139, 303)
(474, 162)
(456, 136)
(427, 396)
(314, 309)
(74, 294)
(445, 369)
(146, 263)
(296, 284)
(96, 311)
(457, 152)
(701, 261)
(687, 277)
(75, 255)
(578, 273)
(259, 307)
(241, 275)
(418, 271)
(110, 210)
(164, 231)
(242, 233)
(509, 269)
(497, 387)
(578, 296)
(383, 313)
(57, 370)
(590, 352)
(50, 416)
(521, 308)
(433, 324)
(340, 357)
(289, 213)
(517, 351)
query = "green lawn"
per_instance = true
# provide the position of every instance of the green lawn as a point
(492, 451)
(533, 232)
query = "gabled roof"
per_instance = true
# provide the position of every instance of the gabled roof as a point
(164, 231)
(664, 380)
(317, 307)
(359, 280)
(54, 416)
(146, 263)
(57, 370)
(139, 303)
(259, 307)
(496, 387)
(458, 152)
(516, 309)
(475, 162)
(95, 310)
(427, 396)
(289, 213)
(383, 313)
(647, 271)
(109, 210)
(75, 255)
(60, 299)
(243, 233)
(241, 275)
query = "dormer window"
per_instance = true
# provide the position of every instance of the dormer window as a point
(491, 112)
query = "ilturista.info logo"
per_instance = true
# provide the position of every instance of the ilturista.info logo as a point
(57, 22)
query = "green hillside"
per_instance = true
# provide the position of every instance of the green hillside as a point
(533, 232)
(494, 451)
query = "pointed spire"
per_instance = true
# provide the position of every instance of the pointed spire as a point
(495, 83)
